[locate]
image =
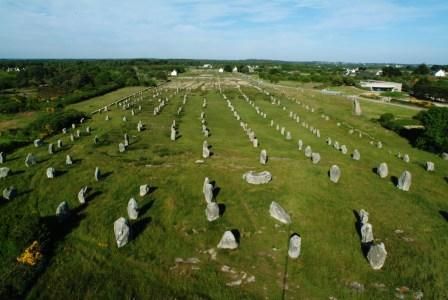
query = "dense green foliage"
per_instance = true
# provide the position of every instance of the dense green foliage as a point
(436, 90)
(435, 135)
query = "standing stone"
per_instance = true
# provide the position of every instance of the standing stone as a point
(144, 189)
(294, 246)
(356, 155)
(288, 136)
(363, 216)
(379, 145)
(121, 147)
(9, 193)
(282, 131)
(37, 143)
(30, 160)
(444, 156)
(64, 130)
(336, 145)
(132, 209)
(212, 211)
(206, 181)
(73, 125)
(97, 174)
(88, 130)
(344, 149)
(335, 173)
(300, 144)
(366, 233)
(72, 137)
(328, 141)
(405, 180)
(95, 139)
(121, 231)
(257, 178)
(62, 211)
(228, 241)
(173, 134)
(126, 140)
(82, 195)
(208, 192)
(406, 158)
(377, 256)
(78, 133)
(255, 142)
(59, 144)
(278, 213)
(107, 118)
(4, 171)
(308, 151)
(68, 160)
(356, 107)
(2, 158)
(263, 157)
(315, 157)
(51, 173)
(50, 148)
(430, 166)
(382, 170)
(205, 150)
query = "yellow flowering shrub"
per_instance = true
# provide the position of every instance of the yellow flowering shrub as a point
(31, 255)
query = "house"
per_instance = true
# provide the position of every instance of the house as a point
(440, 73)
(207, 66)
(221, 70)
(351, 72)
(379, 73)
(174, 73)
(381, 86)
(235, 70)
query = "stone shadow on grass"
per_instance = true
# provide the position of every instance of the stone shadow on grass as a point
(142, 210)
(444, 214)
(139, 226)
(394, 180)
(222, 209)
(93, 195)
(105, 175)
(237, 235)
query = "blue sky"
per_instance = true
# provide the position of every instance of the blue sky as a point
(397, 31)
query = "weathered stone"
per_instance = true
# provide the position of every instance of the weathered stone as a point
(263, 157)
(295, 243)
(78, 133)
(278, 213)
(51, 173)
(356, 155)
(205, 150)
(255, 142)
(363, 216)
(88, 130)
(2, 158)
(300, 144)
(82, 195)
(377, 256)
(344, 149)
(72, 137)
(288, 136)
(121, 147)
(382, 170)
(50, 148)
(315, 157)
(329, 141)
(379, 145)
(257, 178)
(37, 143)
(228, 241)
(405, 180)
(335, 173)
(444, 156)
(97, 174)
(9, 193)
(208, 192)
(173, 134)
(406, 158)
(4, 171)
(64, 130)
(30, 160)
(95, 139)
(336, 145)
(68, 160)
(212, 211)
(132, 209)
(308, 151)
(62, 211)
(366, 233)
(122, 232)
(430, 166)
(59, 144)
(144, 189)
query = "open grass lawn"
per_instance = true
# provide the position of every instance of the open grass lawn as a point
(87, 264)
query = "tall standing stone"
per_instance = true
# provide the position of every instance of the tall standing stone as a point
(62, 211)
(208, 192)
(205, 150)
(430, 166)
(2, 158)
(132, 209)
(335, 173)
(263, 157)
(50, 148)
(405, 180)
(356, 107)
(97, 174)
(212, 211)
(122, 232)
(173, 133)
(82, 195)
(366, 233)
(300, 144)
(68, 160)
(51, 173)
(59, 144)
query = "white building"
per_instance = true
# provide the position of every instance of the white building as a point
(235, 70)
(351, 72)
(221, 70)
(440, 73)
(381, 86)
(379, 73)
(173, 73)
(207, 66)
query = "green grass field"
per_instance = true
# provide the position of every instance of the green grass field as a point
(87, 264)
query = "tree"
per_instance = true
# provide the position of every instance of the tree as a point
(228, 68)
(435, 135)
(422, 70)
(391, 72)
